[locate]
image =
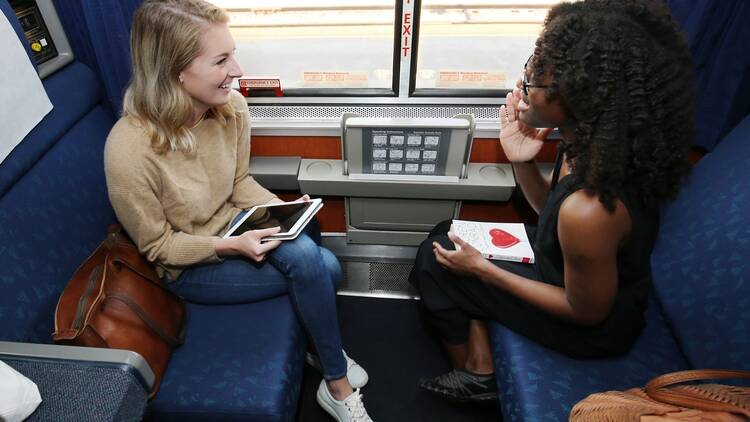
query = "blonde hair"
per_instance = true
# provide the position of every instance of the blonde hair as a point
(164, 39)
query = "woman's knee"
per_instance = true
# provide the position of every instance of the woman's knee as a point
(425, 259)
(307, 261)
(428, 275)
(333, 267)
(301, 249)
(441, 228)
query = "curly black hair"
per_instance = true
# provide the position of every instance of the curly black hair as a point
(622, 72)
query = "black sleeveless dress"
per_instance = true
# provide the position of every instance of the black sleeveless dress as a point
(626, 319)
(443, 291)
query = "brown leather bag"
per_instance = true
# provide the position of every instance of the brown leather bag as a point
(116, 300)
(662, 400)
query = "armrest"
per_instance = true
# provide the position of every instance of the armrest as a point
(125, 359)
(83, 383)
(275, 173)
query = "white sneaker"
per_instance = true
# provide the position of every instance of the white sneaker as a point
(351, 409)
(356, 374)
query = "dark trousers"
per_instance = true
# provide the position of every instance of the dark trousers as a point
(450, 301)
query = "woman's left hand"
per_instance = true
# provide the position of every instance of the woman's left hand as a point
(519, 142)
(465, 260)
(305, 198)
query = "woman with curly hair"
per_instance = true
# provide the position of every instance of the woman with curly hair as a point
(614, 77)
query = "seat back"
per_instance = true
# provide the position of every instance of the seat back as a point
(700, 261)
(54, 207)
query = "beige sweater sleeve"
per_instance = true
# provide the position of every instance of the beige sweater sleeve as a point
(132, 190)
(247, 192)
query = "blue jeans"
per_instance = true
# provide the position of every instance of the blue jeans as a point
(307, 272)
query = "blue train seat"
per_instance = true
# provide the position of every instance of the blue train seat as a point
(698, 314)
(239, 362)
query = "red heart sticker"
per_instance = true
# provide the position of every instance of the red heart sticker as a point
(503, 239)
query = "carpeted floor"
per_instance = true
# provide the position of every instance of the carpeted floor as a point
(388, 338)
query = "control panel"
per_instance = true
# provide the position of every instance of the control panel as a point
(404, 151)
(44, 33)
(35, 30)
(400, 177)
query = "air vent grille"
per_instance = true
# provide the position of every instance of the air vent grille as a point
(388, 277)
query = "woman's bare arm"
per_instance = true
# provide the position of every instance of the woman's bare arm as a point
(589, 237)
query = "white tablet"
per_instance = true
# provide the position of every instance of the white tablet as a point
(292, 217)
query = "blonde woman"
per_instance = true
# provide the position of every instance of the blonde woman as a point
(177, 174)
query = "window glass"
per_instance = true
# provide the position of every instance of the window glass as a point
(321, 44)
(482, 44)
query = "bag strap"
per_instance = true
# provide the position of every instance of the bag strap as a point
(83, 301)
(694, 397)
(172, 341)
(118, 262)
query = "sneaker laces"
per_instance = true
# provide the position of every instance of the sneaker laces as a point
(356, 408)
(457, 380)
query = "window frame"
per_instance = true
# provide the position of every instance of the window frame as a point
(403, 99)
(403, 89)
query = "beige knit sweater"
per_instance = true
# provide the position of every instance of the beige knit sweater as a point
(175, 205)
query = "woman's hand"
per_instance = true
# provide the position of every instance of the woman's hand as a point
(520, 143)
(305, 198)
(249, 243)
(465, 260)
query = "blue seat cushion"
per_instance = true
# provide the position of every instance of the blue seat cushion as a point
(74, 91)
(239, 362)
(539, 384)
(50, 221)
(700, 260)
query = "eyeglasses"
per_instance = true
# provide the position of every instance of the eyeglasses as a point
(525, 82)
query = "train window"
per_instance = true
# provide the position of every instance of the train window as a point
(330, 46)
(476, 45)
(381, 58)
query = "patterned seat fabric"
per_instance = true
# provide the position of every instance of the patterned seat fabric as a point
(239, 362)
(699, 311)
(539, 384)
(56, 209)
(66, 385)
(700, 261)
